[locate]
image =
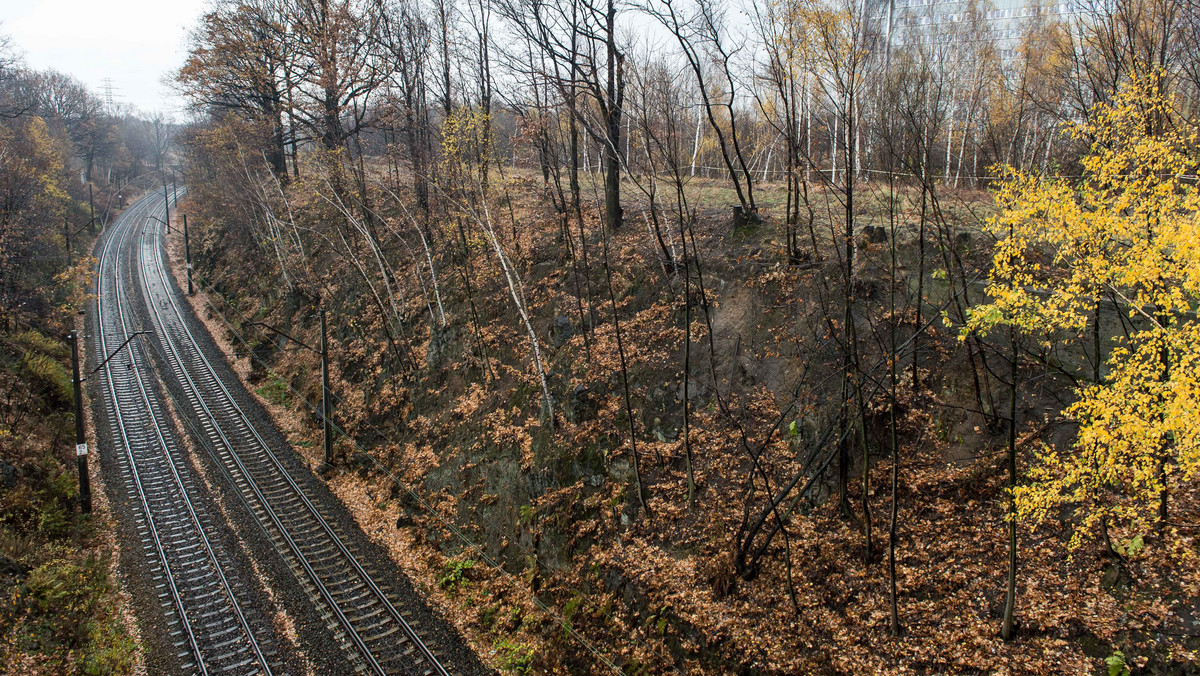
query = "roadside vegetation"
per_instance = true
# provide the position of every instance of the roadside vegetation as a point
(60, 611)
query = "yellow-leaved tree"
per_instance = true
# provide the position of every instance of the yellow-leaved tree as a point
(1126, 235)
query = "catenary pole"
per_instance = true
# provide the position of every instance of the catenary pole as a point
(187, 254)
(81, 447)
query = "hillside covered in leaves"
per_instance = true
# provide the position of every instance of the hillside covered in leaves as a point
(825, 356)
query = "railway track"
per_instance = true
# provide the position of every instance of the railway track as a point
(360, 609)
(210, 628)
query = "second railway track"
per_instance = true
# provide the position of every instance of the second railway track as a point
(209, 626)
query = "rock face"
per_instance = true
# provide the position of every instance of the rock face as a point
(12, 572)
(696, 391)
(440, 342)
(12, 568)
(8, 475)
(561, 331)
(581, 404)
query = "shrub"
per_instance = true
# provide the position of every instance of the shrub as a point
(53, 499)
(275, 391)
(56, 603)
(113, 650)
(515, 658)
(454, 574)
(50, 376)
(33, 341)
(1116, 664)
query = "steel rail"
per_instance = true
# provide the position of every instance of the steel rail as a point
(110, 258)
(223, 395)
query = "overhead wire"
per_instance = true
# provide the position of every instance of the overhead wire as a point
(469, 545)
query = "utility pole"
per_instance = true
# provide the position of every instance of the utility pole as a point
(326, 403)
(166, 206)
(174, 189)
(92, 209)
(187, 254)
(81, 447)
(325, 396)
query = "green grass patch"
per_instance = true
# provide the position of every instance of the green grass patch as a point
(454, 575)
(275, 391)
(62, 613)
(514, 657)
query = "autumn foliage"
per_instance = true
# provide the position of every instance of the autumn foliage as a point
(678, 434)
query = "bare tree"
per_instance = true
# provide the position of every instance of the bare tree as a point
(580, 40)
(694, 33)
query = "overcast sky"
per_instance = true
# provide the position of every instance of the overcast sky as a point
(137, 43)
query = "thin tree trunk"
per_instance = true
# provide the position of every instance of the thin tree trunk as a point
(517, 292)
(1010, 600)
(612, 296)
(895, 325)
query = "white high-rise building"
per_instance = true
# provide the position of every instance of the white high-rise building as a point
(1005, 21)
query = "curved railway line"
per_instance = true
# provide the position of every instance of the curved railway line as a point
(209, 625)
(377, 637)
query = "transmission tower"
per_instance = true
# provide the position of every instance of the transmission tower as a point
(108, 95)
